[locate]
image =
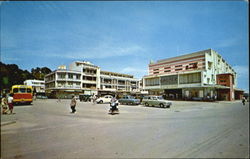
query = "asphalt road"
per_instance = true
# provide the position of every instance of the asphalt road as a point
(47, 129)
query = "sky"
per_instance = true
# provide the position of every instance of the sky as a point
(123, 36)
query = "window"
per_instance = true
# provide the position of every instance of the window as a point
(15, 90)
(152, 82)
(208, 80)
(78, 76)
(178, 66)
(192, 65)
(210, 65)
(70, 75)
(169, 80)
(178, 69)
(190, 78)
(22, 90)
(156, 72)
(156, 69)
(167, 67)
(167, 71)
(28, 90)
(61, 75)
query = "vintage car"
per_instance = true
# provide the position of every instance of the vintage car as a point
(104, 99)
(156, 101)
(129, 100)
(85, 98)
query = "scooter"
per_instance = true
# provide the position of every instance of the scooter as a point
(114, 108)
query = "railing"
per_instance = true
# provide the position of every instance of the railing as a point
(68, 86)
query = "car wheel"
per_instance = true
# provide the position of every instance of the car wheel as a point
(161, 105)
(101, 102)
(146, 104)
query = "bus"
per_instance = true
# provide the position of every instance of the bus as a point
(22, 94)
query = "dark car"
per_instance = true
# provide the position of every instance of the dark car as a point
(129, 100)
(85, 98)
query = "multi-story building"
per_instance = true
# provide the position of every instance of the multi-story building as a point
(85, 78)
(37, 85)
(117, 82)
(203, 74)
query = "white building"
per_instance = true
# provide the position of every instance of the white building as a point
(37, 85)
(83, 77)
(118, 82)
(195, 75)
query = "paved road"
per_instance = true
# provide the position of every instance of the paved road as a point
(187, 130)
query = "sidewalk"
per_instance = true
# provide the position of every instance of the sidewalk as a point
(7, 119)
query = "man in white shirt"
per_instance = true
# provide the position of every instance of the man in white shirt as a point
(10, 103)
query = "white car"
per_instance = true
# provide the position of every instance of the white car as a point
(104, 99)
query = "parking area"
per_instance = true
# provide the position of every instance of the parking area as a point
(47, 129)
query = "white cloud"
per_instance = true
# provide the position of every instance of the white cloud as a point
(103, 51)
(132, 69)
(137, 72)
(12, 59)
(242, 71)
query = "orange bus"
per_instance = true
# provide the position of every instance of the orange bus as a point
(22, 94)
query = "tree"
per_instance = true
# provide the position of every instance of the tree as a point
(10, 75)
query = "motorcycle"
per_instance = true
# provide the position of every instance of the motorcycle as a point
(114, 108)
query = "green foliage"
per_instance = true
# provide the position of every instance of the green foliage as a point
(10, 75)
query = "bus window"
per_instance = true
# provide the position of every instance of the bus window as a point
(15, 90)
(22, 90)
(28, 90)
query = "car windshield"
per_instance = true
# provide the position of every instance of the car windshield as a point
(160, 98)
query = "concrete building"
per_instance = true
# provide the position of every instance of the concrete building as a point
(119, 83)
(37, 85)
(83, 77)
(199, 75)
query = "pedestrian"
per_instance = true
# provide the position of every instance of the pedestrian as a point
(94, 98)
(4, 104)
(34, 96)
(215, 97)
(10, 103)
(243, 100)
(58, 97)
(73, 104)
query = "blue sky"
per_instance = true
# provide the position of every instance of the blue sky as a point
(123, 36)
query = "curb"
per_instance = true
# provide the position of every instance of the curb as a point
(7, 123)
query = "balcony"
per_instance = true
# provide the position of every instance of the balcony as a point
(93, 88)
(89, 81)
(69, 79)
(69, 86)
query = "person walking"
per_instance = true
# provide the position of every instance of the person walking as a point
(73, 104)
(243, 100)
(10, 103)
(4, 104)
(94, 98)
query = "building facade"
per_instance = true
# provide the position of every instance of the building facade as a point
(199, 75)
(119, 83)
(83, 77)
(37, 85)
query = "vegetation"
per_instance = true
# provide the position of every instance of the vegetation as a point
(10, 75)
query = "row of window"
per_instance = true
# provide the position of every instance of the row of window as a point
(173, 79)
(168, 69)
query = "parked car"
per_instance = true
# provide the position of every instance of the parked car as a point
(129, 100)
(104, 99)
(85, 98)
(41, 97)
(156, 101)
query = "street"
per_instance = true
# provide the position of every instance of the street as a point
(47, 129)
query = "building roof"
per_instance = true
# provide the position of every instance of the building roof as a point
(182, 56)
(116, 74)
